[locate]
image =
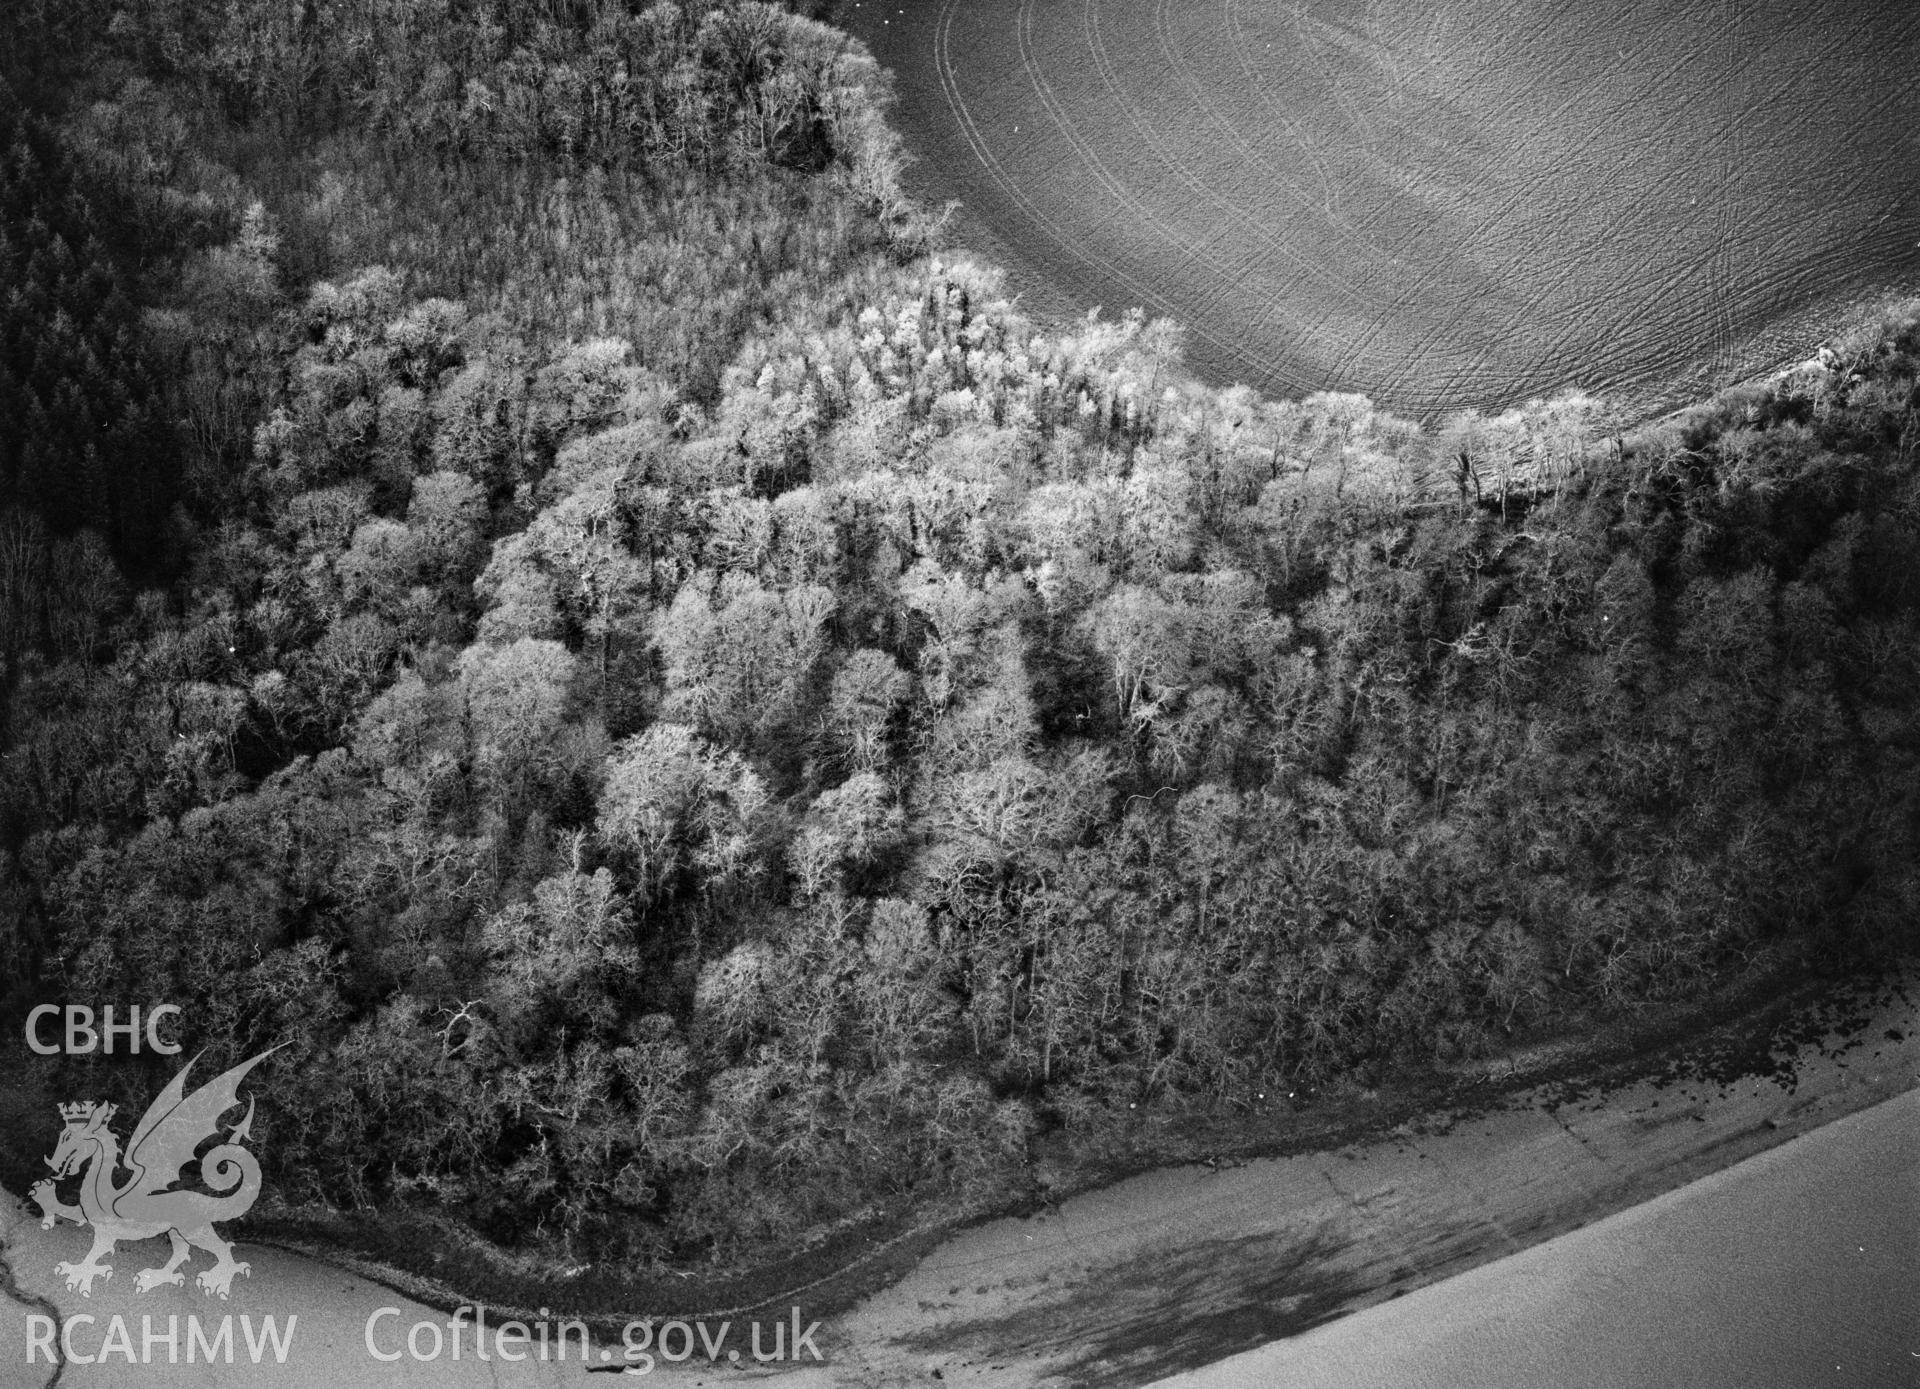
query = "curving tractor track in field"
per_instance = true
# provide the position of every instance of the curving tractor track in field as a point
(1441, 203)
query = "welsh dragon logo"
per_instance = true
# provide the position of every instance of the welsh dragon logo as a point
(151, 1201)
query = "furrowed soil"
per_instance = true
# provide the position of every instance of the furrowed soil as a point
(1441, 203)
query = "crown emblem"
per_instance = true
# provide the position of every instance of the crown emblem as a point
(171, 1134)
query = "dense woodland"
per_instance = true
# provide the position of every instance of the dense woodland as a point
(525, 576)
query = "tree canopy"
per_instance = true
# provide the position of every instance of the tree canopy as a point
(522, 571)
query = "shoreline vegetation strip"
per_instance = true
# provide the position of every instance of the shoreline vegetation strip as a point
(530, 579)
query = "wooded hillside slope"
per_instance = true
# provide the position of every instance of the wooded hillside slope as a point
(526, 577)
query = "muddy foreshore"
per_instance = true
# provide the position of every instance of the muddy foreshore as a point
(1748, 1028)
(1189, 1237)
(1181, 1267)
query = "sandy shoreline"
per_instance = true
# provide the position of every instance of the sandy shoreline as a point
(1793, 1269)
(1183, 1267)
(1168, 1270)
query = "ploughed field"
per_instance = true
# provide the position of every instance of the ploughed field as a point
(1441, 203)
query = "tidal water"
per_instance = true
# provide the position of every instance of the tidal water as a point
(1797, 1269)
